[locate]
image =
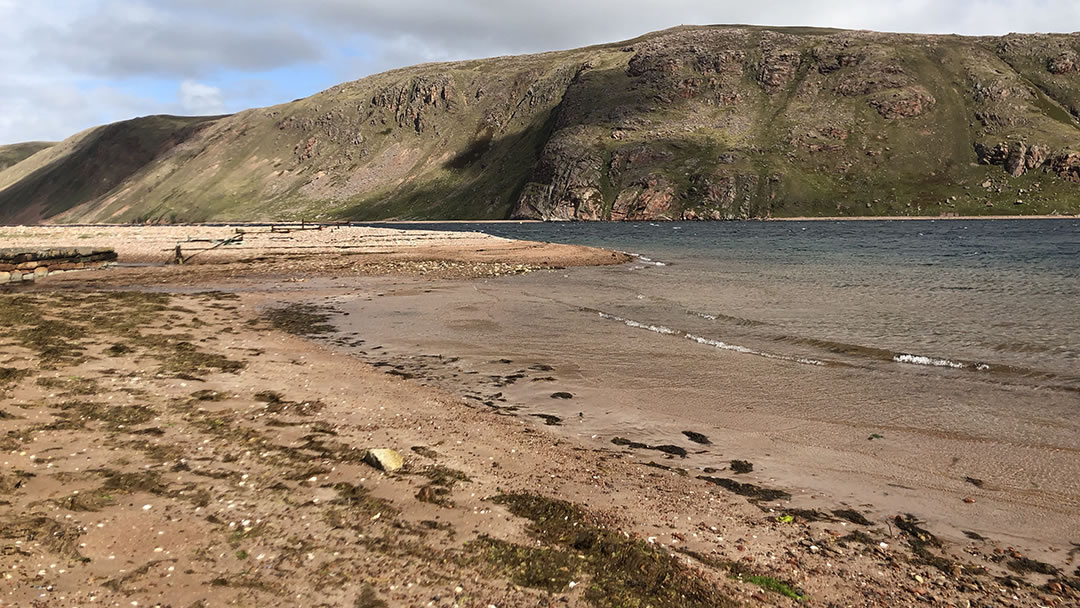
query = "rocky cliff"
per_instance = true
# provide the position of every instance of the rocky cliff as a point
(724, 122)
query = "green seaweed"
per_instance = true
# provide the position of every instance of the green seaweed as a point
(776, 586)
(620, 571)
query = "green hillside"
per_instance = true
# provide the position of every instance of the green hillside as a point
(13, 154)
(720, 122)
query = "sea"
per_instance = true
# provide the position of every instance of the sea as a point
(923, 367)
(981, 295)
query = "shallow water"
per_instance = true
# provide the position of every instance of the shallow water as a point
(875, 364)
(1004, 293)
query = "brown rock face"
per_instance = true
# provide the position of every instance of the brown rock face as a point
(650, 198)
(1017, 158)
(1037, 156)
(992, 155)
(907, 102)
(1065, 63)
(1067, 166)
(778, 69)
(727, 197)
(1014, 162)
(408, 101)
(564, 185)
(829, 60)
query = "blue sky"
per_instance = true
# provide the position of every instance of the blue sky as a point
(73, 64)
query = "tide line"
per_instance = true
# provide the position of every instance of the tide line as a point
(718, 344)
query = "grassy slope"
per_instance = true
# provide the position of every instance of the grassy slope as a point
(466, 139)
(14, 154)
(88, 166)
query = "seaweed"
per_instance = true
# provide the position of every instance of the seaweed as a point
(358, 500)
(11, 375)
(807, 514)
(749, 490)
(549, 419)
(57, 537)
(443, 479)
(301, 319)
(853, 516)
(740, 571)
(910, 525)
(117, 584)
(741, 466)
(1024, 565)
(543, 568)
(425, 451)
(697, 437)
(71, 386)
(73, 414)
(367, 598)
(664, 467)
(921, 540)
(769, 583)
(674, 450)
(620, 571)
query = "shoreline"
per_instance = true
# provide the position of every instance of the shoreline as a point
(833, 461)
(922, 218)
(447, 526)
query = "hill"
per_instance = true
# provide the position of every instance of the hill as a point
(13, 154)
(718, 122)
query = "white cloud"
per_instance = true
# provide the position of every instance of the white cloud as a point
(69, 65)
(198, 98)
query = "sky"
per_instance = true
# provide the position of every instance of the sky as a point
(72, 64)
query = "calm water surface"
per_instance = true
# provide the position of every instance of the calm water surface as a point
(991, 295)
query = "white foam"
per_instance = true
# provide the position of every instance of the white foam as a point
(667, 331)
(660, 329)
(749, 351)
(921, 360)
(643, 259)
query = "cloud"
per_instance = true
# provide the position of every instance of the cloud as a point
(473, 28)
(41, 110)
(68, 64)
(198, 98)
(143, 38)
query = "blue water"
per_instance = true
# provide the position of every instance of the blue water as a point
(1004, 292)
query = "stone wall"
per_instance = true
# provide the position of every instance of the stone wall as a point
(17, 265)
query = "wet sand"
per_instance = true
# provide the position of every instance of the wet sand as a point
(964, 452)
(170, 439)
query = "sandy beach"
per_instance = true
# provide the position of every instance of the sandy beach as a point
(197, 435)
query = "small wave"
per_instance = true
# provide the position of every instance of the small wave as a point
(921, 360)
(749, 351)
(724, 318)
(667, 331)
(660, 329)
(643, 259)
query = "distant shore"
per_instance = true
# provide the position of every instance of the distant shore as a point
(921, 218)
